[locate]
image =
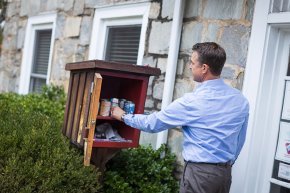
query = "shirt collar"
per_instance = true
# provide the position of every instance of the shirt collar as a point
(213, 82)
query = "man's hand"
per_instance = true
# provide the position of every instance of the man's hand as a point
(117, 112)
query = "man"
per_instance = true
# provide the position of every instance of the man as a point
(214, 120)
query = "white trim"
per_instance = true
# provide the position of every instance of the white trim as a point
(174, 44)
(118, 15)
(250, 89)
(280, 183)
(47, 21)
(121, 3)
(279, 18)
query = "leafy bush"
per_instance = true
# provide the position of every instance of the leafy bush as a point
(34, 156)
(141, 170)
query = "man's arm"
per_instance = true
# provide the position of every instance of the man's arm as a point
(242, 136)
(172, 116)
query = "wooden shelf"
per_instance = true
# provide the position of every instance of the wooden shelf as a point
(105, 118)
(113, 144)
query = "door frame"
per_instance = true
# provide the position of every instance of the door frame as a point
(264, 70)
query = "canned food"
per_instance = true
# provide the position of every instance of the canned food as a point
(114, 102)
(121, 103)
(105, 107)
(129, 107)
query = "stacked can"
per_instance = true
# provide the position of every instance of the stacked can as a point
(122, 103)
(129, 107)
(105, 107)
(114, 102)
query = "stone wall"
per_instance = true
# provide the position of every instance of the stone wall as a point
(227, 22)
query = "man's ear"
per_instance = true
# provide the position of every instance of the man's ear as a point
(205, 68)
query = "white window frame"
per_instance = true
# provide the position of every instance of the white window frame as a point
(252, 171)
(118, 15)
(40, 22)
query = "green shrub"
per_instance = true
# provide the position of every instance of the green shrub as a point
(141, 170)
(34, 156)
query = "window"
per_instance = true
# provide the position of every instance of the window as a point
(123, 44)
(280, 6)
(36, 58)
(119, 33)
(41, 58)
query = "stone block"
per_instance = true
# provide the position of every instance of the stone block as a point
(4, 79)
(43, 5)
(192, 8)
(80, 53)
(228, 73)
(212, 32)
(60, 25)
(10, 29)
(158, 90)
(69, 4)
(159, 37)
(167, 9)
(24, 8)
(58, 61)
(250, 9)
(191, 34)
(150, 85)
(175, 139)
(231, 71)
(69, 47)
(154, 10)
(182, 86)
(52, 5)
(12, 9)
(149, 103)
(34, 7)
(223, 9)
(86, 30)
(72, 26)
(9, 43)
(159, 105)
(180, 67)
(79, 6)
(148, 139)
(20, 38)
(234, 40)
(91, 3)
(149, 60)
(162, 63)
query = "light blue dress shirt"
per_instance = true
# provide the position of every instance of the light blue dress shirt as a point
(214, 120)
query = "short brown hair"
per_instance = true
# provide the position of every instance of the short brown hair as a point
(212, 54)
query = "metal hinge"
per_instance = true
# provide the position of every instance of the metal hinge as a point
(92, 87)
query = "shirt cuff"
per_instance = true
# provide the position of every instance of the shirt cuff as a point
(127, 118)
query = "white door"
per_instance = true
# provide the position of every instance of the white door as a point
(280, 178)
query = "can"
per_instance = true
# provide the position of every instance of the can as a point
(129, 107)
(105, 107)
(122, 103)
(114, 102)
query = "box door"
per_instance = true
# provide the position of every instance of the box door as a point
(83, 88)
(91, 122)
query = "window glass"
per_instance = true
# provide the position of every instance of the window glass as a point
(40, 61)
(281, 6)
(123, 44)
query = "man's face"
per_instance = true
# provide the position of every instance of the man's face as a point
(196, 68)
